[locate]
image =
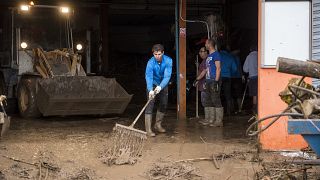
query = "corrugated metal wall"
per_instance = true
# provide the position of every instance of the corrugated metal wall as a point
(315, 35)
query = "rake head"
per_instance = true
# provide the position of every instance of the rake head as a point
(126, 145)
(130, 131)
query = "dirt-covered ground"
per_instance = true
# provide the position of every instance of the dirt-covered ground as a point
(70, 148)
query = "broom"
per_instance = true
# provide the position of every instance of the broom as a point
(127, 142)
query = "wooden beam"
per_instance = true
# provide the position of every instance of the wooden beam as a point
(182, 62)
(297, 67)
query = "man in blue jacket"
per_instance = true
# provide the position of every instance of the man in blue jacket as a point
(158, 73)
(228, 66)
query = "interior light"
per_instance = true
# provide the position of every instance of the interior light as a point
(65, 10)
(24, 7)
(31, 3)
(24, 45)
(79, 47)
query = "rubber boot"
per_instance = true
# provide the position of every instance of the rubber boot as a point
(212, 116)
(219, 117)
(147, 122)
(206, 119)
(206, 115)
(159, 119)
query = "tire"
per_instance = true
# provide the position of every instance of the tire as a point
(27, 101)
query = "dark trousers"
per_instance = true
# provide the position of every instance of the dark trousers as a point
(161, 100)
(226, 88)
(212, 95)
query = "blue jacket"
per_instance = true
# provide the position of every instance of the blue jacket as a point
(228, 65)
(158, 74)
(238, 72)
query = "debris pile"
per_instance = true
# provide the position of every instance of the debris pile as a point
(82, 174)
(22, 172)
(46, 164)
(234, 154)
(43, 168)
(282, 170)
(303, 102)
(173, 171)
(117, 152)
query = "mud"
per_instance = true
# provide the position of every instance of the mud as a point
(69, 148)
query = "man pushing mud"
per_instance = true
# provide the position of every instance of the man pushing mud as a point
(158, 73)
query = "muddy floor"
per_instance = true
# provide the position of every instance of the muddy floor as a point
(70, 147)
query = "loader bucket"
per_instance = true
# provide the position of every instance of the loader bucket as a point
(81, 95)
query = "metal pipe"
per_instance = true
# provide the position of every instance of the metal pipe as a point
(67, 33)
(46, 6)
(88, 52)
(196, 21)
(18, 36)
(197, 88)
(71, 37)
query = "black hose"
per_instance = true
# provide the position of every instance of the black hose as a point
(273, 121)
(277, 116)
(283, 113)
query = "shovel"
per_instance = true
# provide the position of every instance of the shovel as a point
(4, 118)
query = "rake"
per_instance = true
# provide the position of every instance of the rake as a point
(127, 142)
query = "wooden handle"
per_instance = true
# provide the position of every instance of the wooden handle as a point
(144, 107)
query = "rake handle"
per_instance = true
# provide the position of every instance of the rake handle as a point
(244, 94)
(144, 107)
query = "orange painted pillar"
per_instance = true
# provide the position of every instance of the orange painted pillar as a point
(270, 84)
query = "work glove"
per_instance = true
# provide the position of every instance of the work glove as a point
(151, 94)
(157, 90)
(216, 86)
(195, 83)
(243, 79)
